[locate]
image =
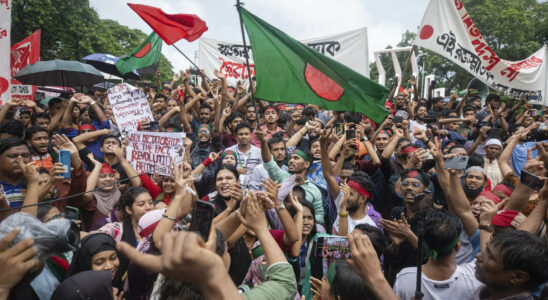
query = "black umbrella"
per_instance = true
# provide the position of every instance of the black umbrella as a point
(107, 63)
(59, 73)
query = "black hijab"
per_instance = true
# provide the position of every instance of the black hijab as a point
(90, 245)
(88, 285)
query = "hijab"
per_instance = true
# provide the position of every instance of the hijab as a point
(89, 285)
(90, 245)
(106, 200)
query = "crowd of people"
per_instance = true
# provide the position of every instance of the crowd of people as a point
(309, 203)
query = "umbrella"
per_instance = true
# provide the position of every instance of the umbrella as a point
(107, 63)
(59, 73)
(103, 86)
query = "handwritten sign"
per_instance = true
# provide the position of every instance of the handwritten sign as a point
(129, 106)
(155, 152)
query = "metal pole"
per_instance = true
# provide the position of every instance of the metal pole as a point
(238, 6)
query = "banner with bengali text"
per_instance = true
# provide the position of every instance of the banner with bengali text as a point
(26, 52)
(155, 152)
(5, 34)
(349, 48)
(448, 30)
(129, 107)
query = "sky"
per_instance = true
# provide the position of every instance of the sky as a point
(385, 20)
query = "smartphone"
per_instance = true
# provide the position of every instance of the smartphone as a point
(72, 213)
(531, 180)
(456, 163)
(350, 134)
(64, 158)
(333, 247)
(202, 218)
(153, 126)
(422, 202)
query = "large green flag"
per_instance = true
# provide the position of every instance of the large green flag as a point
(289, 71)
(142, 56)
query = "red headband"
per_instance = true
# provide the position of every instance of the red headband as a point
(358, 188)
(504, 218)
(106, 169)
(409, 149)
(389, 104)
(490, 196)
(86, 126)
(503, 188)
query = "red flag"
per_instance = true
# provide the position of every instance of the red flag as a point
(26, 52)
(171, 28)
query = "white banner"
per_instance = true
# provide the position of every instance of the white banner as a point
(448, 30)
(5, 45)
(349, 48)
(129, 106)
(155, 152)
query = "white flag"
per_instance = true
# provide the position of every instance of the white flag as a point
(448, 30)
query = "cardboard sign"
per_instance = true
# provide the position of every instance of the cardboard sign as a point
(155, 152)
(129, 106)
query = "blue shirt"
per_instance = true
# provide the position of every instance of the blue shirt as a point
(13, 193)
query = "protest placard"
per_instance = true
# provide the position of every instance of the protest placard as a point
(5, 34)
(129, 106)
(155, 152)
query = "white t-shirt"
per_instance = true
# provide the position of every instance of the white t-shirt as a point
(352, 223)
(461, 285)
(413, 126)
(253, 155)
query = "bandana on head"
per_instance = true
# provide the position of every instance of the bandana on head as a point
(106, 169)
(301, 154)
(385, 131)
(229, 152)
(490, 196)
(358, 188)
(504, 218)
(409, 149)
(172, 129)
(206, 127)
(87, 127)
(389, 104)
(504, 189)
(434, 253)
(414, 174)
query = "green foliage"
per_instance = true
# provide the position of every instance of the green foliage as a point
(71, 29)
(514, 29)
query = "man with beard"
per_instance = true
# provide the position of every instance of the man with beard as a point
(279, 154)
(251, 116)
(299, 163)
(354, 207)
(270, 116)
(493, 149)
(401, 104)
(204, 146)
(474, 182)
(38, 140)
(418, 123)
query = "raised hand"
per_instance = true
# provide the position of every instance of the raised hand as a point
(254, 217)
(15, 261)
(272, 189)
(62, 142)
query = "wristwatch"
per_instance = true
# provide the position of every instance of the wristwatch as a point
(488, 228)
(279, 208)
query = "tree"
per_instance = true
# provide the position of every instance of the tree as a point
(71, 29)
(514, 29)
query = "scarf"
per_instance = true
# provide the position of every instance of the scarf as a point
(107, 200)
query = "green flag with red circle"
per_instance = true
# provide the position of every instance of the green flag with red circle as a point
(142, 56)
(288, 71)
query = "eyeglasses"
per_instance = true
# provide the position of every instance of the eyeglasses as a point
(406, 183)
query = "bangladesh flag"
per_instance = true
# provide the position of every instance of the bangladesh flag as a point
(142, 56)
(289, 71)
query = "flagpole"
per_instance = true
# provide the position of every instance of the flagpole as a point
(238, 6)
(407, 64)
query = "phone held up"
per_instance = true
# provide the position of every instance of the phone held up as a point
(531, 180)
(456, 163)
(64, 158)
(202, 218)
(333, 246)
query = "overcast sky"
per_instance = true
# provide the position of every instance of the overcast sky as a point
(302, 19)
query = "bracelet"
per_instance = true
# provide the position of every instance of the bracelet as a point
(489, 228)
(207, 162)
(279, 208)
(169, 218)
(343, 215)
(92, 103)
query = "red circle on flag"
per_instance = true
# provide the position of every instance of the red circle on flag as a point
(143, 51)
(426, 32)
(322, 85)
(4, 85)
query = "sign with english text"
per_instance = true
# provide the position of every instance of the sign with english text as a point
(349, 48)
(5, 34)
(155, 152)
(448, 30)
(129, 107)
